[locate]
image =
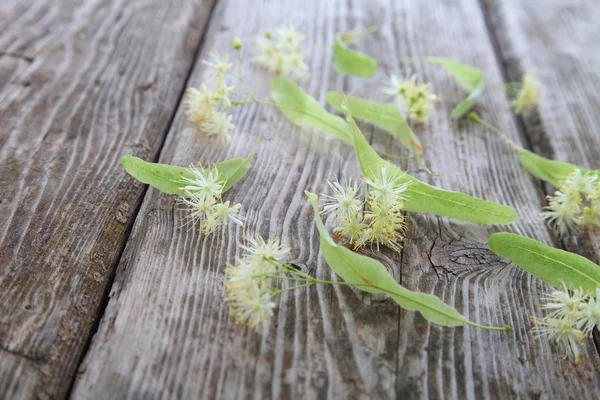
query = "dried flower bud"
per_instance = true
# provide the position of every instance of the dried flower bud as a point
(237, 43)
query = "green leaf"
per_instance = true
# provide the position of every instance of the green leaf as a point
(553, 266)
(469, 102)
(350, 37)
(166, 178)
(350, 62)
(371, 276)
(169, 178)
(551, 171)
(386, 116)
(426, 198)
(303, 110)
(232, 171)
(471, 78)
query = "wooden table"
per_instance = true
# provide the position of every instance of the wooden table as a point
(103, 296)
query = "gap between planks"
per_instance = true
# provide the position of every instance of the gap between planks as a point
(511, 72)
(111, 279)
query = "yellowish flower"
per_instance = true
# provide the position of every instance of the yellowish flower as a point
(576, 205)
(248, 283)
(563, 332)
(528, 97)
(207, 107)
(382, 221)
(281, 53)
(417, 99)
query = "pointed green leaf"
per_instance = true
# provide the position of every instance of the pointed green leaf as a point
(553, 266)
(471, 78)
(469, 102)
(350, 62)
(303, 110)
(169, 178)
(166, 178)
(426, 198)
(351, 37)
(371, 276)
(232, 171)
(551, 171)
(386, 116)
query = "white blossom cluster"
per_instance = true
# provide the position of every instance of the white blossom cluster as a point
(202, 196)
(375, 218)
(572, 317)
(528, 96)
(249, 282)
(576, 204)
(208, 106)
(417, 99)
(280, 52)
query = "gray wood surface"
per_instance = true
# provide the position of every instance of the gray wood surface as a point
(560, 45)
(166, 331)
(81, 83)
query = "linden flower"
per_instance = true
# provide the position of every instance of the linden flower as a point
(201, 108)
(386, 187)
(219, 67)
(590, 314)
(562, 304)
(573, 316)
(344, 198)
(528, 96)
(248, 283)
(561, 331)
(289, 37)
(202, 197)
(252, 307)
(219, 125)
(205, 183)
(575, 205)
(352, 229)
(417, 99)
(207, 107)
(382, 222)
(261, 250)
(281, 53)
(219, 215)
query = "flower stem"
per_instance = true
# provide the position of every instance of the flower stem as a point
(377, 289)
(276, 292)
(474, 117)
(505, 328)
(394, 157)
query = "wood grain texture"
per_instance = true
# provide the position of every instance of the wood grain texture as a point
(166, 332)
(558, 41)
(82, 82)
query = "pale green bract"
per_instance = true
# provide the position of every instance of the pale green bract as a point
(472, 79)
(303, 110)
(371, 276)
(469, 102)
(350, 62)
(551, 171)
(554, 266)
(426, 198)
(386, 116)
(169, 178)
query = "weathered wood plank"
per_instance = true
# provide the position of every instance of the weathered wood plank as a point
(558, 40)
(452, 260)
(166, 332)
(19, 376)
(81, 84)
